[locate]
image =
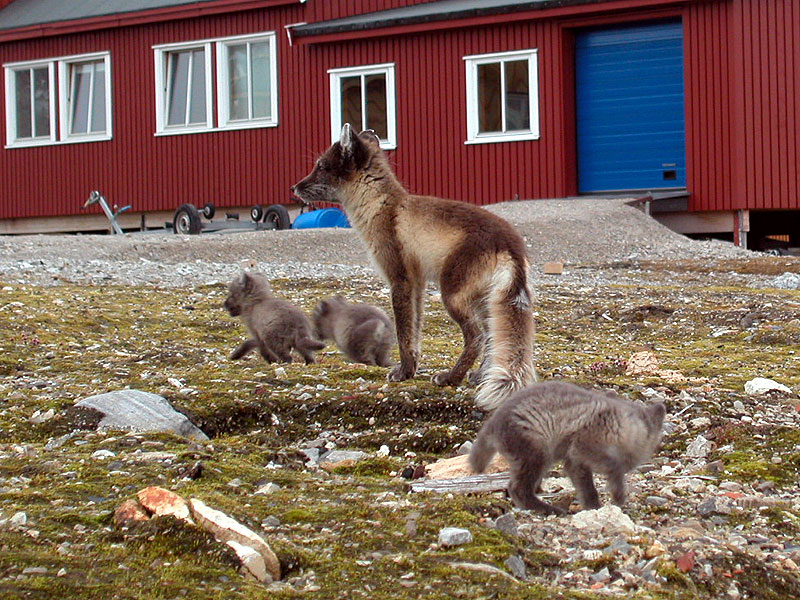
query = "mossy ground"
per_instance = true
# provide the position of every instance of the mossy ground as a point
(60, 344)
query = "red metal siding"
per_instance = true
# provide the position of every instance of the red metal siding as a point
(742, 115)
(742, 111)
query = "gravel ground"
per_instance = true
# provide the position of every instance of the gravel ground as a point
(586, 231)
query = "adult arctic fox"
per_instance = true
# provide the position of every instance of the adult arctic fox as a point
(478, 259)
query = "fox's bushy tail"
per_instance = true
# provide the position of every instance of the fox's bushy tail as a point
(511, 331)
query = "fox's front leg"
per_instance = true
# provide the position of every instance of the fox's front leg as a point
(406, 322)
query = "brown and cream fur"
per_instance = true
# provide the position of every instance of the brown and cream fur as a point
(590, 431)
(362, 331)
(276, 326)
(478, 260)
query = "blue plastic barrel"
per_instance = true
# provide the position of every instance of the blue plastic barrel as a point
(324, 217)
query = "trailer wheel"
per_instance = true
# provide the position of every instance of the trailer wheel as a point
(256, 213)
(278, 216)
(186, 220)
(209, 210)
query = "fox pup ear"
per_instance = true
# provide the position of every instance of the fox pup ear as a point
(347, 138)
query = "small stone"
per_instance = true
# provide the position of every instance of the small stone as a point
(685, 562)
(252, 561)
(34, 571)
(507, 523)
(730, 486)
(337, 456)
(235, 483)
(656, 549)
(707, 507)
(776, 460)
(129, 512)
(383, 451)
(102, 454)
(761, 385)
(606, 519)
(738, 406)
(464, 448)
(62, 572)
(39, 417)
(699, 448)
(163, 502)
(267, 489)
(602, 576)
(19, 519)
(280, 372)
(454, 536)
(656, 501)
(271, 522)
(517, 567)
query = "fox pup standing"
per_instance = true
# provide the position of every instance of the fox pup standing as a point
(588, 430)
(478, 259)
(362, 331)
(276, 325)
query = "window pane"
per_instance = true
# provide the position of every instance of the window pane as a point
(41, 102)
(197, 111)
(22, 85)
(99, 98)
(261, 85)
(81, 82)
(237, 71)
(490, 115)
(351, 101)
(376, 104)
(517, 96)
(178, 87)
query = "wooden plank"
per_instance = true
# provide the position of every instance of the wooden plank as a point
(492, 482)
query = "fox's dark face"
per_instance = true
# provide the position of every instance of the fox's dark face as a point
(337, 166)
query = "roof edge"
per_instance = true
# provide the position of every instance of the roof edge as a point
(123, 19)
(341, 29)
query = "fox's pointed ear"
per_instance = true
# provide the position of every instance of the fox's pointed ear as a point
(347, 138)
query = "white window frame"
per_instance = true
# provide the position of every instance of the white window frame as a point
(223, 87)
(12, 141)
(473, 113)
(162, 53)
(336, 75)
(65, 103)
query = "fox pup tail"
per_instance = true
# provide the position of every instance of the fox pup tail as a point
(306, 343)
(482, 451)
(511, 331)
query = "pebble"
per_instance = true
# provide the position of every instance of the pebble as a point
(507, 523)
(656, 501)
(517, 567)
(454, 536)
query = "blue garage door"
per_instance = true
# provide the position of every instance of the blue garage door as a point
(629, 97)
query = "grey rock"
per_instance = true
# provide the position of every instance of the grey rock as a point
(337, 456)
(311, 453)
(738, 406)
(699, 447)
(454, 536)
(507, 523)
(787, 281)
(707, 507)
(464, 448)
(656, 501)
(516, 566)
(134, 410)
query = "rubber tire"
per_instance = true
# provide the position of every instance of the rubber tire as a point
(187, 220)
(257, 213)
(278, 215)
(209, 210)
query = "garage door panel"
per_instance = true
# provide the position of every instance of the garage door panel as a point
(630, 115)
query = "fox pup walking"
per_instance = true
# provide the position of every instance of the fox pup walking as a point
(478, 259)
(276, 325)
(588, 430)
(363, 332)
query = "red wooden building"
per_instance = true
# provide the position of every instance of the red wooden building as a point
(166, 102)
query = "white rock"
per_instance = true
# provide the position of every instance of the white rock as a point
(787, 281)
(268, 488)
(19, 519)
(454, 536)
(251, 561)
(383, 450)
(698, 448)
(607, 519)
(761, 385)
(225, 528)
(280, 372)
(102, 454)
(40, 417)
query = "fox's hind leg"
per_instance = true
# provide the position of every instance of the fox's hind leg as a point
(526, 477)
(244, 348)
(581, 477)
(459, 306)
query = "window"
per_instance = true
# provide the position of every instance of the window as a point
(364, 97)
(245, 89)
(85, 106)
(78, 109)
(502, 97)
(246, 78)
